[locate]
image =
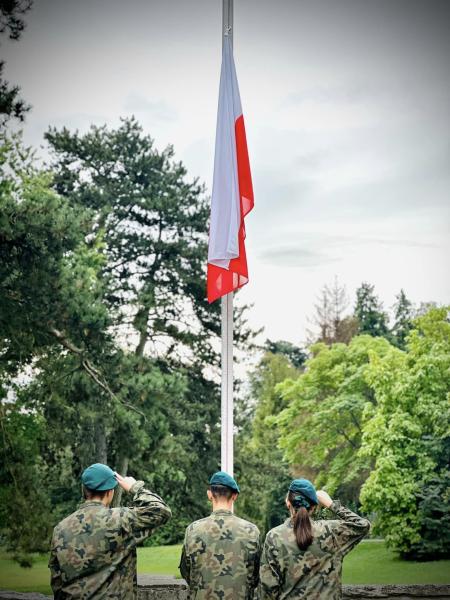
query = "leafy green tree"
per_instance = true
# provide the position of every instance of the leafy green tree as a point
(52, 311)
(433, 504)
(37, 229)
(296, 356)
(127, 335)
(11, 17)
(154, 225)
(321, 427)
(264, 475)
(412, 408)
(21, 469)
(369, 312)
(402, 320)
(12, 23)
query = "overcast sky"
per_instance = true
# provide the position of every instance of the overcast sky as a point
(346, 105)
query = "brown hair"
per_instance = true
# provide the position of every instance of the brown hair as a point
(302, 523)
(221, 491)
(89, 494)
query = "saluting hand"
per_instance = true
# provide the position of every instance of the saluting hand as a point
(126, 483)
(324, 498)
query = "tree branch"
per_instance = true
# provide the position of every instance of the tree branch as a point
(355, 421)
(349, 440)
(93, 373)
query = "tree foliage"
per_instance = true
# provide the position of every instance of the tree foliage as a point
(13, 24)
(321, 428)
(412, 408)
(372, 320)
(331, 322)
(371, 421)
(104, 270)
(295, 355)
(37, 229)
(264, 475)
(403, 316)
(11, 17)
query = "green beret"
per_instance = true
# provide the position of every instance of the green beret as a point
(222, 478)
(305, 488)
(99, 477)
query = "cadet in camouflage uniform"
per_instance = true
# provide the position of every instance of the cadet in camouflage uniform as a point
(93, 552)
(303, 558)
(220, 557)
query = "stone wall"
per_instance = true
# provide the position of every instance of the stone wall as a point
(396, 592)
(169, 588)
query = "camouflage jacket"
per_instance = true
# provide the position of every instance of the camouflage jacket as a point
(93, 552)
(314, 573)
(220, 557)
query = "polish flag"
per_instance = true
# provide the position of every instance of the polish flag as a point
(232, 192)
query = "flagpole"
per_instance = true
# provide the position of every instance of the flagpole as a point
(227, 454)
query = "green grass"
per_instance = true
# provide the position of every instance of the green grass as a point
(163, 560)
(13, 577)
(370, 562)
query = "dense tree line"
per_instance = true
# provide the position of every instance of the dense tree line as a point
(108, 348)
(366, 418)
(108, 354)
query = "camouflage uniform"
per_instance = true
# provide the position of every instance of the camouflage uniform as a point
(314, 573)
(220, 558)
(93, 551)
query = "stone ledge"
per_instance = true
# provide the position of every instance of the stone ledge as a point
(162, 587)
(396, 592)
(8, 595)
(168, 588)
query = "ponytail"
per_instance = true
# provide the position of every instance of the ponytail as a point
(301, 521)
(303, 528)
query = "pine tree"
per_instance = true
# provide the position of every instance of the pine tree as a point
(372, 319)
(296, 355)
(12, 24)
(402, 320)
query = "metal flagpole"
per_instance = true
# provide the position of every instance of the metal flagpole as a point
(227, 457)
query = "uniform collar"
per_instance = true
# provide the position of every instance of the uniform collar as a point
(221, 511)
(92, 503)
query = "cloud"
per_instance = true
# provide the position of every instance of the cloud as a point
(351, 92)
(295, 256)
(309, 251)
(160, 110)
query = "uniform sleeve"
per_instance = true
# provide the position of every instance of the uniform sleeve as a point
(254, 567)
(350, 529)
(269, 572)
(146, 512)
(55, 574)
(185, 562)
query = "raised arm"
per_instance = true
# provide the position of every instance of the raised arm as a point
(350, 529)
(147, 510)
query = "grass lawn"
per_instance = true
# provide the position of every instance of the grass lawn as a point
(370, 562)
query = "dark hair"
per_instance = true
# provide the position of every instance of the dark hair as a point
(221, 491)
(301, 520)
(88, 493)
